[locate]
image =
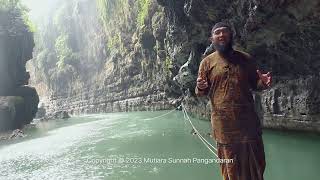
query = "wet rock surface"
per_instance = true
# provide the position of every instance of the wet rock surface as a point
(15, 134)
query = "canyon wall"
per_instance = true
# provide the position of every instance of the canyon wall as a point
(130, 55)
(18, 101)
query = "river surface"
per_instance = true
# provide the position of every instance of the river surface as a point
(127, 146)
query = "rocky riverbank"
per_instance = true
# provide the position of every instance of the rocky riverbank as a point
(10, 135)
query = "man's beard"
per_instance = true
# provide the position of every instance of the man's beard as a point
(223, 49)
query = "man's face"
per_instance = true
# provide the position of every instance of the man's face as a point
(221, 38)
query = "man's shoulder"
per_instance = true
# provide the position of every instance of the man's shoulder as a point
(211, 57)
(243, 54)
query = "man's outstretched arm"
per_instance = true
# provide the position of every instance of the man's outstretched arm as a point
(202, 87)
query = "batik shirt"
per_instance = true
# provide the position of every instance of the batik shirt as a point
(231, 80)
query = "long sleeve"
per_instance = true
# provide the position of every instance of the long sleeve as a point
(202, 74)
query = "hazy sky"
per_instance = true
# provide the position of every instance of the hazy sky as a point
(39, 8)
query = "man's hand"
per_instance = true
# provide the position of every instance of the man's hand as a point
(265, 78)
(202, 83)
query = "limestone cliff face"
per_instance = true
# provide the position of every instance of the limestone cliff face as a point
(115, 58)
(282, 35)
(144, 55)
(18, 101)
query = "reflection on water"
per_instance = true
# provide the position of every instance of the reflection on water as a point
(126, 146)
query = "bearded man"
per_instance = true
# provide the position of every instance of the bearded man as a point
(228, 77)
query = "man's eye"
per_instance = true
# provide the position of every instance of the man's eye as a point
(223, 31)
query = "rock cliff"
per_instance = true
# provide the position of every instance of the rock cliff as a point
(18, 101)
(282, 35)
(129, 55)
(106, 56)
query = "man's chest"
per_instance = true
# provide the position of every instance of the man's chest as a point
(223, 70)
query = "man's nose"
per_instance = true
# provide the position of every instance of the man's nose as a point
(221, 34)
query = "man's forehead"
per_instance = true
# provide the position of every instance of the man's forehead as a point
(220, 28)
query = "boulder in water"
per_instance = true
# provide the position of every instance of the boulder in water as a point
(18, 133)
(40, 113)
(61, 115)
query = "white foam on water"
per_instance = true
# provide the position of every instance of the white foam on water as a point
(54, 155)
(131, 134)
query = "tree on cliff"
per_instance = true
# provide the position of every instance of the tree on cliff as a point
(14, 15)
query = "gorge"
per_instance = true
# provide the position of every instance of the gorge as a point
(125, 55)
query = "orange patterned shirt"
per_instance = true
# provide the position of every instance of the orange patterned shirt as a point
(230, 81)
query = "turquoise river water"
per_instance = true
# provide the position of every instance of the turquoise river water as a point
(127, 146)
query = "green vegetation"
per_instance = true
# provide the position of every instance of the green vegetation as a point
(143, 65)
(143, 11)
(167, 65)
(64, 53)
(18, 12)
(74, 44)
(112, 11)
(31, 26)
(105, 8)
(113, 14)
(56, 58)
(8, 4)
(114, 41)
